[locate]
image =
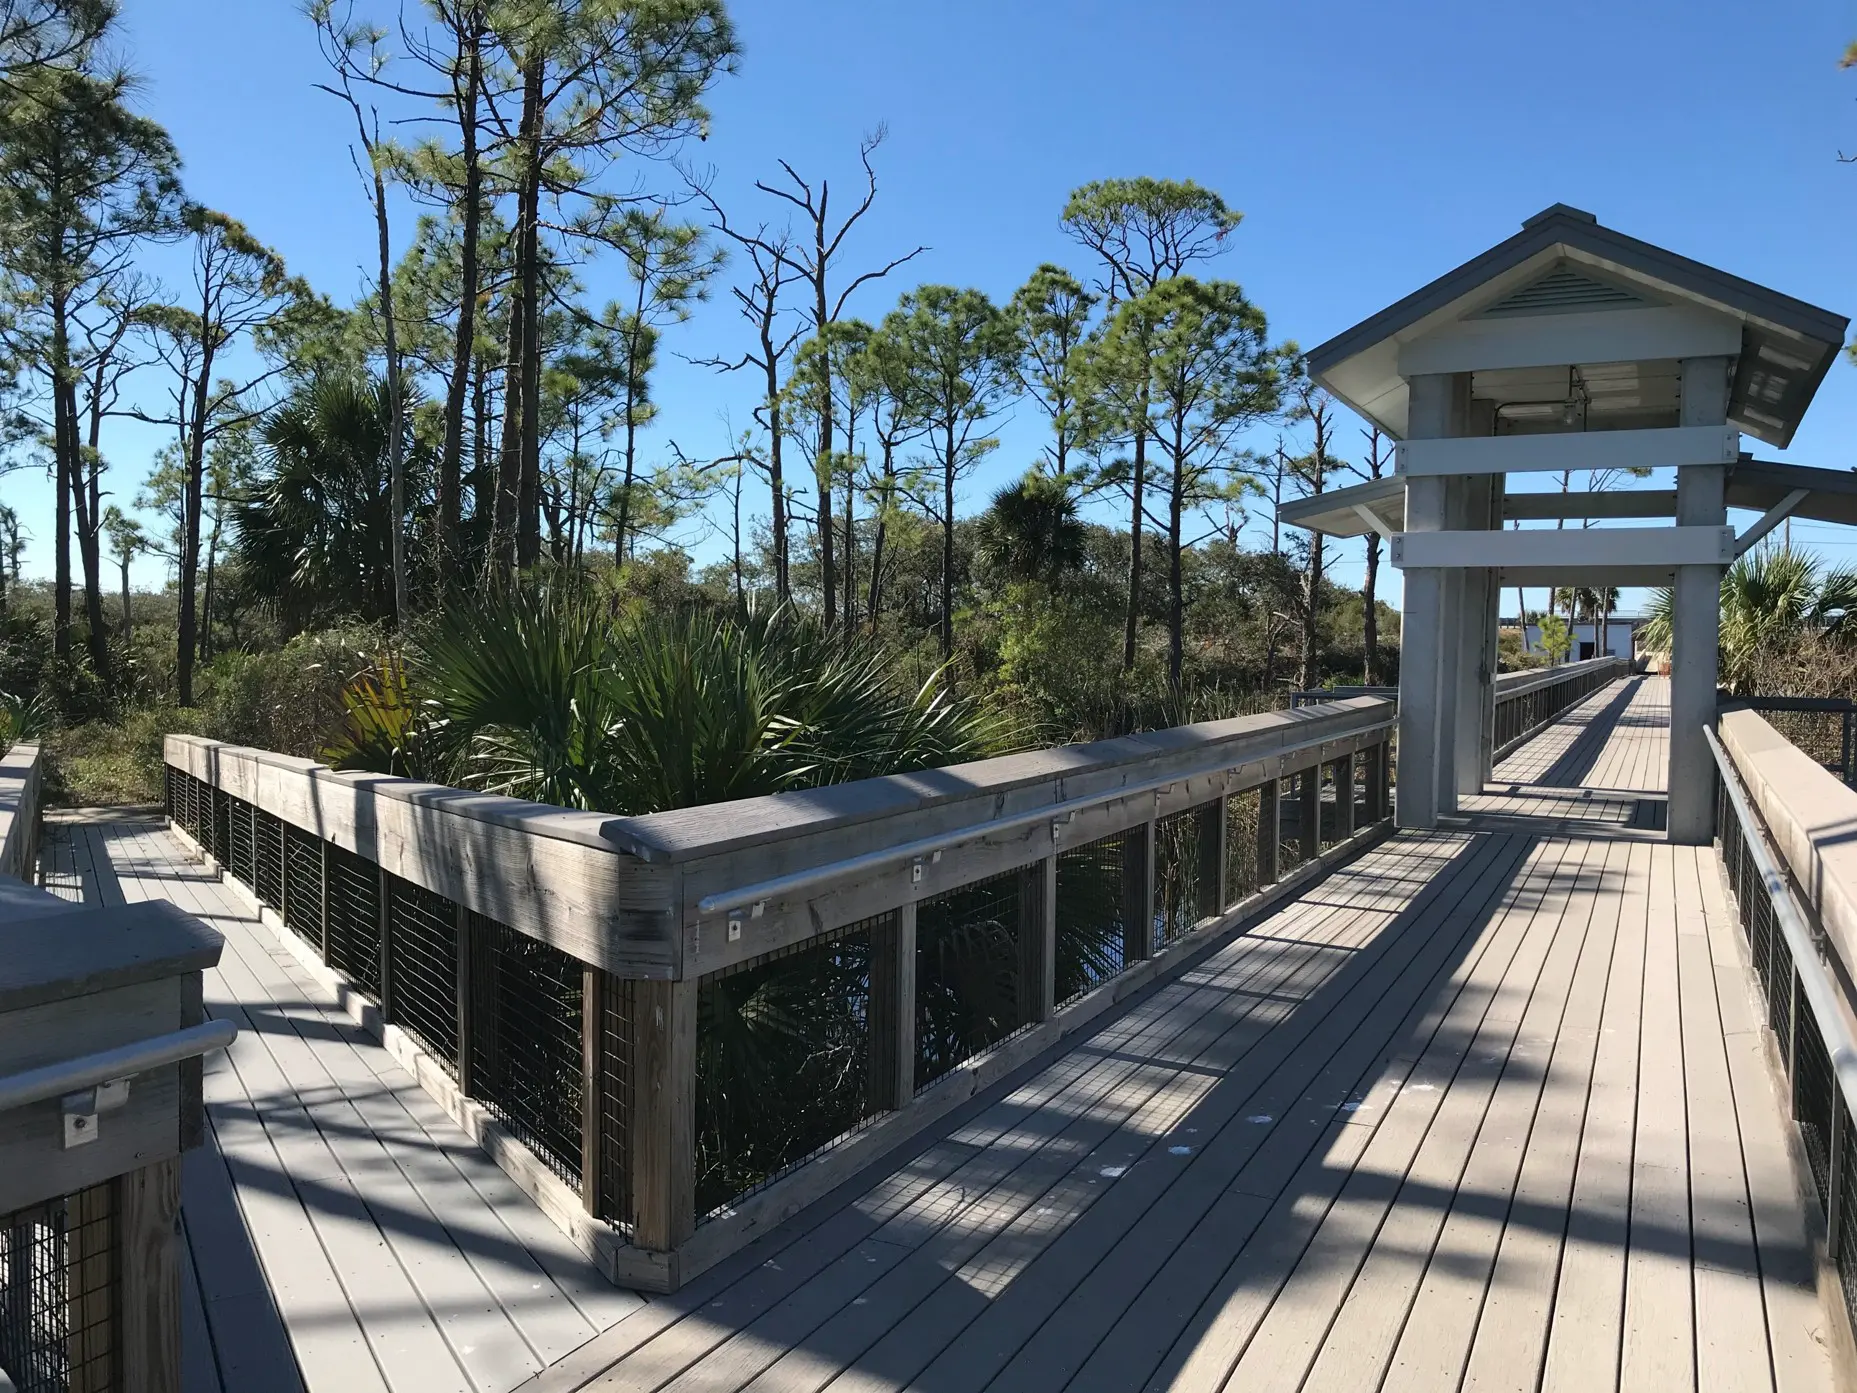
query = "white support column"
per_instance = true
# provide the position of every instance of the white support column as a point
(1696, 622)
(1470, 665)
(1439, 407)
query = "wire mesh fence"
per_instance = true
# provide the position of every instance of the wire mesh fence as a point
(970, 961)
(525, 1033)
(1092, 914)
(613, 1106)
(1291, 850)
(59, 1270)
(1186, 871)
(353, 925)
(1242, 811)
(1818, 1107)
(268, 858)
(1824, 727)
(302, 909)
(783, 1061)
(238, 859)
(422, 968)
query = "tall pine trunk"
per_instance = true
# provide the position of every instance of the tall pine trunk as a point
(873, 597)
(947, 541)
(64, 451)
(187, 628)
(451, 452)
(1137, 487)
(529, 486)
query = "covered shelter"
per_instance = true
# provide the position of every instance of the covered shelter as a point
(1570, 346)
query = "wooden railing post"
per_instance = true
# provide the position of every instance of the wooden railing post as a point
(1138, 892)
(322, 853)
(1213, 895)
(148, 1207)
(893, 1010)
(1309, 812)
(664, 1114)
(1269, 830)
(1038, 941)
(1344, 797)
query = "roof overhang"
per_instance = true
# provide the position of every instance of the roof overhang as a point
(1757, 485)
(1661, 301)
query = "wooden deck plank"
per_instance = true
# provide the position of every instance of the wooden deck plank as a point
(1797, 1337)
(1479, 1129)
(1268, 1326)
(1107, 1181)
(1495, 1257)
(1730, 1313)
(1585, 1332)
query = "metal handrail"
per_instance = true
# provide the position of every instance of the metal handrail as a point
(1806, 949)
(783, 885)
(138, 1057)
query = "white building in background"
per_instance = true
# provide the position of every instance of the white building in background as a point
(1620, 639)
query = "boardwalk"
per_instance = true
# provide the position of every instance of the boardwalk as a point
(342, 1233)
(1485, 1109)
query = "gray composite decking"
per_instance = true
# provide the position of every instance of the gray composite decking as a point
(1486, 1109)
(343, 1235)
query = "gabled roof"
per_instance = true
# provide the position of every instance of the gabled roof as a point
(1563, 259)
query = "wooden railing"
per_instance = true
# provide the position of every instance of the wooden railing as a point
(101, 1033)
(675, 1030)
(21, 777)
(1784, 829)
(1528, 702)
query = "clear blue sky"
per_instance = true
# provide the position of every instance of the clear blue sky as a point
(1371, 147)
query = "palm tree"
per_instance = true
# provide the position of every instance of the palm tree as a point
(316, 535)
(1031, 531)
(1769, 595)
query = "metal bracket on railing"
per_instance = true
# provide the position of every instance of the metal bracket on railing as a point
(80, 1110)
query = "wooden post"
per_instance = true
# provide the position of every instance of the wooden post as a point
(1138, 892)
(594, 1192)
(148, 1215)
(1211, 858)
(1037, 940)
(663, 1114)
(1344, 797)
(1309, 812)
(893, 1010)
(466, 1013)
(1269, 831)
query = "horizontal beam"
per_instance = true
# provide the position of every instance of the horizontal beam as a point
(1669, 448)
(1579, 547)
(1591, 336)
(1622, 576)
(1622, 503)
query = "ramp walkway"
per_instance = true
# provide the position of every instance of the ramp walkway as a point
(1486, 1108)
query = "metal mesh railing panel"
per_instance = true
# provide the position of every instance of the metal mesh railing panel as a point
(1780, 995)
(221, 842)
(616, 1006)
(1814, 1096)
(302, 910)
(969, 963)
(268, 858)
(1289, 825)
(422, 967)
(1181, 874)
(354, 920)
(1241, 813)
(1846, 1255)
(783, 1061)
(238, 859)
(1092, 928)
(525, 1021)
(59, 1278)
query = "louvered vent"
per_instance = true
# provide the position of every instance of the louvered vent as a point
(1563, 291)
